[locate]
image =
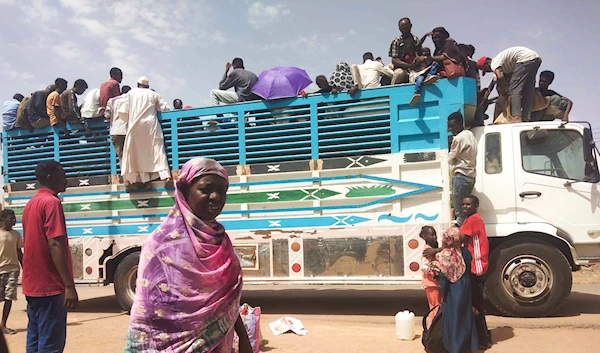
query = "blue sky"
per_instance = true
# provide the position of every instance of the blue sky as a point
(182, 46)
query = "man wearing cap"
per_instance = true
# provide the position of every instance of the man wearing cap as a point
(145, 159)
(522, 65)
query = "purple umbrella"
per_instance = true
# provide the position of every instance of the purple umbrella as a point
(281, 82)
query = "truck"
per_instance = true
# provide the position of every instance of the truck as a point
(334, 189)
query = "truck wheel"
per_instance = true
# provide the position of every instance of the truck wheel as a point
(531, 279)
(125, 278)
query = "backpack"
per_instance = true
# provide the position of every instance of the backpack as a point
(432, 337)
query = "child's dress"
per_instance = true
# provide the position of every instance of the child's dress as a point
(429, 283)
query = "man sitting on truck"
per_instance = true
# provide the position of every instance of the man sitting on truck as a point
(563, 103)
(462, 158)
(240, 79)
(397, 53)
(53, 106)
(36, 108)
(368, 75)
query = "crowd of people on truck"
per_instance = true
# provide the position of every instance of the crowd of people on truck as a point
(189, 262)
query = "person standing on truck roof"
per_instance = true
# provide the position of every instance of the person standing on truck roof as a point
(11, 257)
(9, 111)
(396, 52)
(68, 103)
(240, 79)
(463, 160)
(476, 241)
(144, 155)
(53, 107)
(118, 122)
(189, 280)
(47, 281)
(110, 88)
(522, 64)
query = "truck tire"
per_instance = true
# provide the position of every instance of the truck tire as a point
(528, 278)
(125, 278)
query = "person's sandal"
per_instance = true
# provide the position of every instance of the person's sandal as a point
(431, 79)
(415, 99)
(8, 331)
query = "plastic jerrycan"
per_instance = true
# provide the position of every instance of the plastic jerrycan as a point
(405, 325)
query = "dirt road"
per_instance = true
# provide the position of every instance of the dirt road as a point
(342, 319)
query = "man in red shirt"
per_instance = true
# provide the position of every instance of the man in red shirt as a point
(476, 241)
(110, 89)
(47, 269)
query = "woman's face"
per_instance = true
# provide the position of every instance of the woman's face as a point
(438, 38)
(206, 196)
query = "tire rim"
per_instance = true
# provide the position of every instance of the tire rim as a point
(130, 280)
(527, 278)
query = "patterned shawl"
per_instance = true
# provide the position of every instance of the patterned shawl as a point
(342, 77)
(189, 280)
(450, 259)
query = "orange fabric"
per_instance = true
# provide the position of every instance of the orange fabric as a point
(433, 296)
(52, 101)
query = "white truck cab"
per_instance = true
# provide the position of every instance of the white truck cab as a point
(538, 190)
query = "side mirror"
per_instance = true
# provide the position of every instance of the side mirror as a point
(588, 146)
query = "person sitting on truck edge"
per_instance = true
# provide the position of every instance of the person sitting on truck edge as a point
(68, 103)
(563, 103)
(36, 108)
(522, 64)
(9, 111)
(90, 109)
(53, 107)
(110, 88)
(47, 281)
(240, 79)
(423, 70)
(396, 52)
(144, 155)
(11, 257)
(342, 77)
(189, 278)
(463, 160)
(476, 241)
(368, 74)
(118, 123)
(471, 70)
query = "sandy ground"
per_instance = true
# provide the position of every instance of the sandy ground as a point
(339, 319)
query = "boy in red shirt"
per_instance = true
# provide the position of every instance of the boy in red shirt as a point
(476, 241)
(47, 270)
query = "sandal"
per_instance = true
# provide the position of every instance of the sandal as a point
(9, 331)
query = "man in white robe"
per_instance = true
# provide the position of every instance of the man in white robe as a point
(144, 155)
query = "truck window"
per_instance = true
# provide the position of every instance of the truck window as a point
(493, 154)
(559, 155)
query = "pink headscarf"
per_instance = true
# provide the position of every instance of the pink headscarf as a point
(189, 280)
(451, 261)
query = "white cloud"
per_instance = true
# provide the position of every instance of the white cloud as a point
(260, 14)
(40, 10)
(69, 51)
(80, 7)
(8, 2)
(94, 27)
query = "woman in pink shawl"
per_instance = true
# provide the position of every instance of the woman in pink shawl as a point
(189, 279)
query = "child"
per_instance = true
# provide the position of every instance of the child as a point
(424, 70)
(10, 258)
(430, 281)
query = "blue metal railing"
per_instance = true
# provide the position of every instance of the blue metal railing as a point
(374, 121)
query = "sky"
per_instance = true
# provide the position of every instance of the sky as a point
(182, 46)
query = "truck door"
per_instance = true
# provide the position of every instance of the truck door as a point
(547, 160)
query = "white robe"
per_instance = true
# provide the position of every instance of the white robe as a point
(144, 155)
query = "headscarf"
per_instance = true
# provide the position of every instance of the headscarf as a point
(342, 76)
(189, 280)
(451, 261)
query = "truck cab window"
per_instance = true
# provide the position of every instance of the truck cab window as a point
(493, 154)
(557, 154)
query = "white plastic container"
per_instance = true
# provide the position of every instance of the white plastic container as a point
(405, 325)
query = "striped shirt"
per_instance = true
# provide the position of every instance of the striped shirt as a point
(476, 243)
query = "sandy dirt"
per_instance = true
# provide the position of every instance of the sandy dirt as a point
(339, 319)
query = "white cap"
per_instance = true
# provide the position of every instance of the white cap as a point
(143, 81)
